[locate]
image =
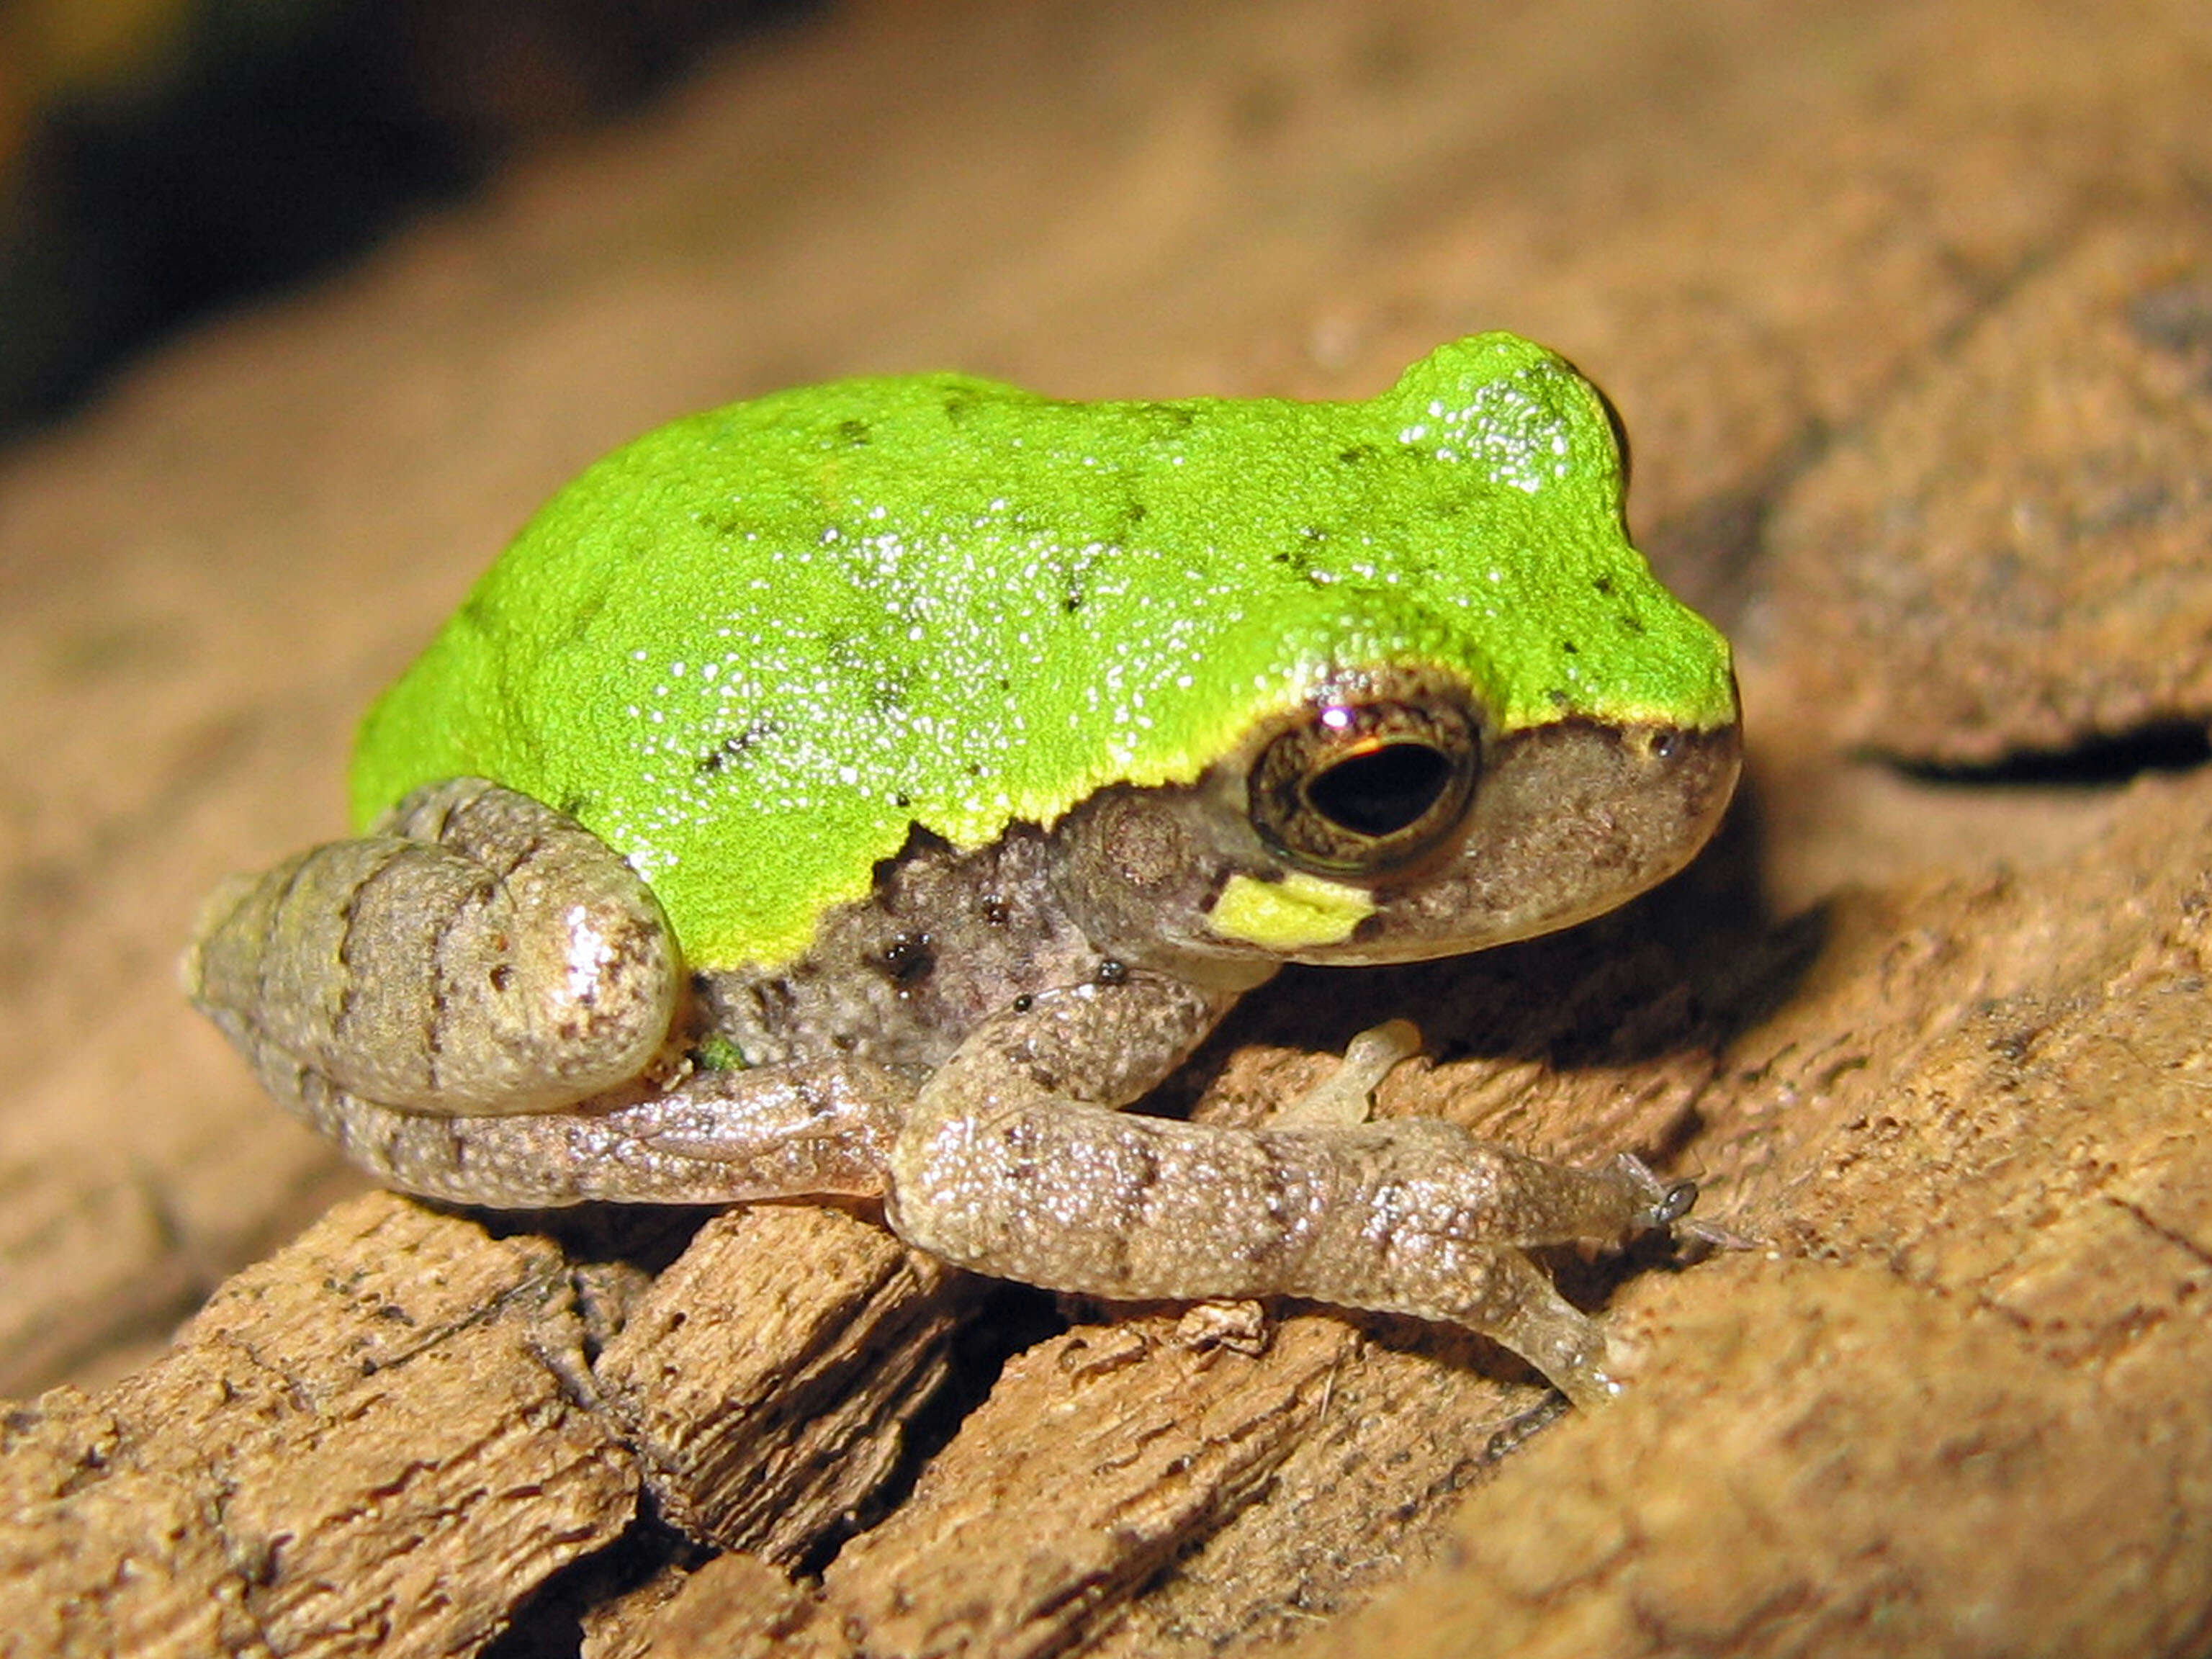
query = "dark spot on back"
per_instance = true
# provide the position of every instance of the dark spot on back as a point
(908, 960)
(578, 623)
(734, 747)
(920, 843)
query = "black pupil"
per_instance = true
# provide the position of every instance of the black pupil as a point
(1382, 791)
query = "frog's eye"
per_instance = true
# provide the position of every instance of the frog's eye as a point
(1361, 787)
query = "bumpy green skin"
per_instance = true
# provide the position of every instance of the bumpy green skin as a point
(752, 648)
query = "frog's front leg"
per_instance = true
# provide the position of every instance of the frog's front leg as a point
(1010, 1162)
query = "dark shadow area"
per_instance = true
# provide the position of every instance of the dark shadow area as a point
(243, 148)
(1003, 1319)
(1687, 964)
(646, 1237)
(549, 1624)
(2176, 745)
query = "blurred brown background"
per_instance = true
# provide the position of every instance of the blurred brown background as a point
(159, 159)
(1908, 309)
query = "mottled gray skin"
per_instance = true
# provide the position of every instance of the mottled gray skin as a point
(481, 1002)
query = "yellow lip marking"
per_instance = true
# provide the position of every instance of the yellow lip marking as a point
(1290, 915)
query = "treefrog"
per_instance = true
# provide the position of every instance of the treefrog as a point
(874, 788)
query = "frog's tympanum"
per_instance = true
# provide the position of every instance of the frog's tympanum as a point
(872, 789)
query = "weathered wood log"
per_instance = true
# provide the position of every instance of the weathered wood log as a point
(377, 1441)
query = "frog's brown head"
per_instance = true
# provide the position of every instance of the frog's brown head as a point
(1386, 818)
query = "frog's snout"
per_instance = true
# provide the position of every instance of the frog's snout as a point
(1648, 814)
(1569, 820)
(1582, 816)
(1697, 770)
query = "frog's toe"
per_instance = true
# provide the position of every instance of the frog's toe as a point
(1566, 1344)
(1674, 1203)
(1346, 1096)
(1662, 1204)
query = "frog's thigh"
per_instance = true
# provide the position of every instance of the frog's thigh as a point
(480, 953)
(714, 1137)
(999, 1167)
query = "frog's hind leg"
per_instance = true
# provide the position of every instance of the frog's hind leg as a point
(477, 952)
(713, 1138)
(476, 1000)
(1000, 1166)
